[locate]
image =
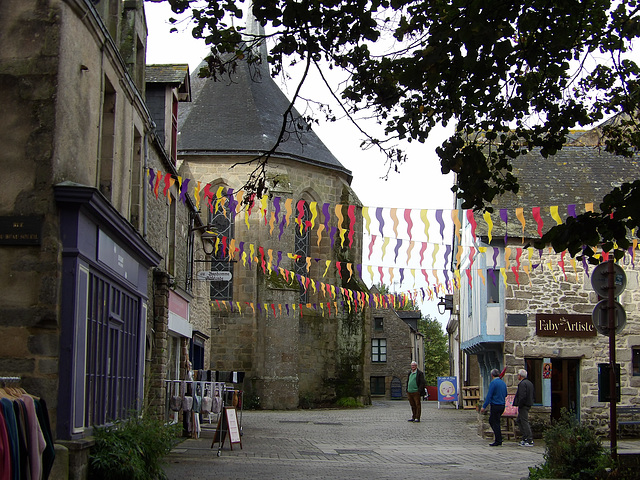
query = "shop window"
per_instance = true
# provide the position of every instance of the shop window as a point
(635, 361)
(377, 385)
(378, 323)
(493, 285)
(534, 367)
(379, 350)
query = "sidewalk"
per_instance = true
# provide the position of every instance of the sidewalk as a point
(373, 442)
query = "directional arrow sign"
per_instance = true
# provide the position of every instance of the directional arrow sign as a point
(211, 276)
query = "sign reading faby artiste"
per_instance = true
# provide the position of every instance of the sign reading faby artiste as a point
(564, 325)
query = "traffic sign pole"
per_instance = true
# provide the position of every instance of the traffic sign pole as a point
(613, 397)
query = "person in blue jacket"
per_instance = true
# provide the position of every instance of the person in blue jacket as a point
(495, 397)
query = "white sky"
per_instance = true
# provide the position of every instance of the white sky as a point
(418, 185)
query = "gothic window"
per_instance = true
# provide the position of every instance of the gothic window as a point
(221, 222)
(301, 248)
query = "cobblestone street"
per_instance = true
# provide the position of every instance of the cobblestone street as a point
(374, 442)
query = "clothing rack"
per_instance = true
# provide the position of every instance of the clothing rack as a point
(26, 433)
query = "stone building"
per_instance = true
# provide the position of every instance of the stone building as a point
(532, 309)
(96, 271)
(271, 319)
(395, 343)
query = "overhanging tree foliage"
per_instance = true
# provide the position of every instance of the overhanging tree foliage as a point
(436, 351)
(512, 76)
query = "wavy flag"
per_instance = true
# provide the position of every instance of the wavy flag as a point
(520, 217)
(351, 212)
(407, 218)
(373, 240)
(422, 250)
(571, 210)
(340, 217)
(380, 220)
(425, 221)
(367, 219)
(535, 211)
(472, 221)
(504, 216)
(393, 213)
(553, 210)
(456, 223)
(440, 222)
(487, 218)
(397, 248)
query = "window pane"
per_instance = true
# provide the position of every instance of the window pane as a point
(493, 282)
(635, 361)
(377, 324)
(377, 385)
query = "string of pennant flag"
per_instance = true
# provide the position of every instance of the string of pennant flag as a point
(280, 214)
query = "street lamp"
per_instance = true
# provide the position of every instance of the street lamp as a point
(445, 303)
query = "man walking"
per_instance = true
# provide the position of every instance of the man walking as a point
(524, 400)
(416, 386)
(495, 397)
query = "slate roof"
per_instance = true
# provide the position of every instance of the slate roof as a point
(242, 115)
(171, 74)
(579, 173)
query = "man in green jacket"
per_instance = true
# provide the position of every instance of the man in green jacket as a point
(416, 386)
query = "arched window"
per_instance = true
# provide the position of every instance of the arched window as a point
(302, 248)
(221, 223)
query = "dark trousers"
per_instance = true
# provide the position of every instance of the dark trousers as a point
(523, 423)
(416, 406)
(494, 421)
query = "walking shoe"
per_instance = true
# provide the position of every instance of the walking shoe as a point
(417, 420)
(528, 444)
(495, 444)
(411, 420)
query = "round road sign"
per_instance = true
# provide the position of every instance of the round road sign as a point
(600, 317)
(600, 279)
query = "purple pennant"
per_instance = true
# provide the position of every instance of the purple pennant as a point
(493, 276)
(327, 215)
(495, 256)
(571, 210)
(286, 305)
(440, 222)
(283, 222)
(585, 265)
(397, 249)
(380, 220)
(276, 208)
(504, 215)
(334, 230)
(259, 308)
(446, 276)
(359, 268)
(401, 275)
(232, 202)
(152, 176)
(631, 257)
(279, 259)
(446, 254)
(184, 189)
(423, 294)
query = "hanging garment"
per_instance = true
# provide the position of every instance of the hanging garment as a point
(36, 443)
(5, 450)
(12, 432)
(49, 454)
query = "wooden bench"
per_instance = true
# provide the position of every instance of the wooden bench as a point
(627, 415)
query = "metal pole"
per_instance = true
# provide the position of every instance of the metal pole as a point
(612, 361)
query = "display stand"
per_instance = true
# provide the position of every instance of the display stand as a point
(228, 422)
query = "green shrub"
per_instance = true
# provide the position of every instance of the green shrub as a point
(572, 451)
(132, 449)
(348, 402)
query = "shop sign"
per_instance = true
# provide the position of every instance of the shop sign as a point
(563, 325)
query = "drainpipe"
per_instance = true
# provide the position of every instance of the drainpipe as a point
(144, 184)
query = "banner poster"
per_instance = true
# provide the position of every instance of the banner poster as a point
(447, 389)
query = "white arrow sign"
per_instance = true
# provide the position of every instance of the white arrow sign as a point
(211, 276)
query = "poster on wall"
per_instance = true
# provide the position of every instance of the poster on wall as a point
(546, 370)
(447, 390)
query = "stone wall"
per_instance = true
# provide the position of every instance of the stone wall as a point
(286, 356)
(570, 292)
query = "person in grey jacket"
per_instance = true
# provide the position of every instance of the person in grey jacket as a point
(524, 400)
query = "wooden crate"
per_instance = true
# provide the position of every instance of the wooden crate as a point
(470, 397)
